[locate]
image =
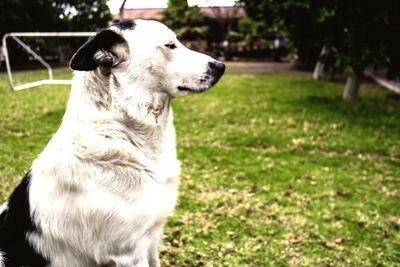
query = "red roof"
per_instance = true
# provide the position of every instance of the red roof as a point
(148, 13)
(231, 12)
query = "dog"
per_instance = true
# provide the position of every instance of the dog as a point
(100, 192)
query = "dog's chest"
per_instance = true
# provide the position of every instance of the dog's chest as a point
(154, 196)
(159, 194)
(157, 199)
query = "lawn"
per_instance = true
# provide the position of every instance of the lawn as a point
(276, 170)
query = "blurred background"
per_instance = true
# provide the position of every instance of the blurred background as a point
(277, 170)
(332, 38)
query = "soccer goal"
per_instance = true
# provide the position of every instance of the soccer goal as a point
(16, 36)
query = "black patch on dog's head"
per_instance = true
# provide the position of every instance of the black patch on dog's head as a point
(15, 223)
(125, 25)
(85, 58)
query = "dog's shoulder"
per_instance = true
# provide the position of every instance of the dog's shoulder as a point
(15, 223)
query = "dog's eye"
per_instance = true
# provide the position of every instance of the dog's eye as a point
(171, 45)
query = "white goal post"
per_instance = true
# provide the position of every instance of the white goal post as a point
(16, 35)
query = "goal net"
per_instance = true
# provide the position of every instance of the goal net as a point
(52, 52)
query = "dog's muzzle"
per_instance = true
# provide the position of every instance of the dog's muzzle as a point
(214, 71)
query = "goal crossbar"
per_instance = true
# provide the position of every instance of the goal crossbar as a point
(15, 36)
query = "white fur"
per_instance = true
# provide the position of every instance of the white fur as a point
(3, 207)
(104, 185)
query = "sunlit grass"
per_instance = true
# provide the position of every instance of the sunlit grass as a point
(276, 170)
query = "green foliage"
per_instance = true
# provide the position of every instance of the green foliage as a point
(275, 170)
(29, 15)
(249, 26)
(261, 29)
(178, 3)
(358, 34)
(52, 16)
(249, 30)
(185, 20)
(59, 15)
(86, 15)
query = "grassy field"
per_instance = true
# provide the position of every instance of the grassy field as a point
(276, 170)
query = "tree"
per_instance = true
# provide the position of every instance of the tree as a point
(185, 20)
(357, 34)
(58, 15)
(84, 15)
(18, 15)
(46, 15)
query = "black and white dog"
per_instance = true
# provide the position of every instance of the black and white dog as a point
(100, 192)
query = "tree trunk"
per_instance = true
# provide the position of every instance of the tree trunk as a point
(351, 89)
(319, 67)
(318, 70)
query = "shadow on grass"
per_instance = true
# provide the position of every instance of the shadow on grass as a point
(53, 117)
(366, 111)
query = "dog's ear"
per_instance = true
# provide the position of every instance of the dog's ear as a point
(106, 49)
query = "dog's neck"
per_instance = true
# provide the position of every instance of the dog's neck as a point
(98, 95)
(98, 104)
(94, 116)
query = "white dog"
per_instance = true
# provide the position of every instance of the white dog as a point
(100, 192)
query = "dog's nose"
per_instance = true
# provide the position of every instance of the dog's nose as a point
(217, 66)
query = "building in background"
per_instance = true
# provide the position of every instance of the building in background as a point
(230, 35)
(226, 16)
(229, 13)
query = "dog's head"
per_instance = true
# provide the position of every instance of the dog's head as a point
(147, 54)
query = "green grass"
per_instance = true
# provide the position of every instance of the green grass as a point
(276, 170)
